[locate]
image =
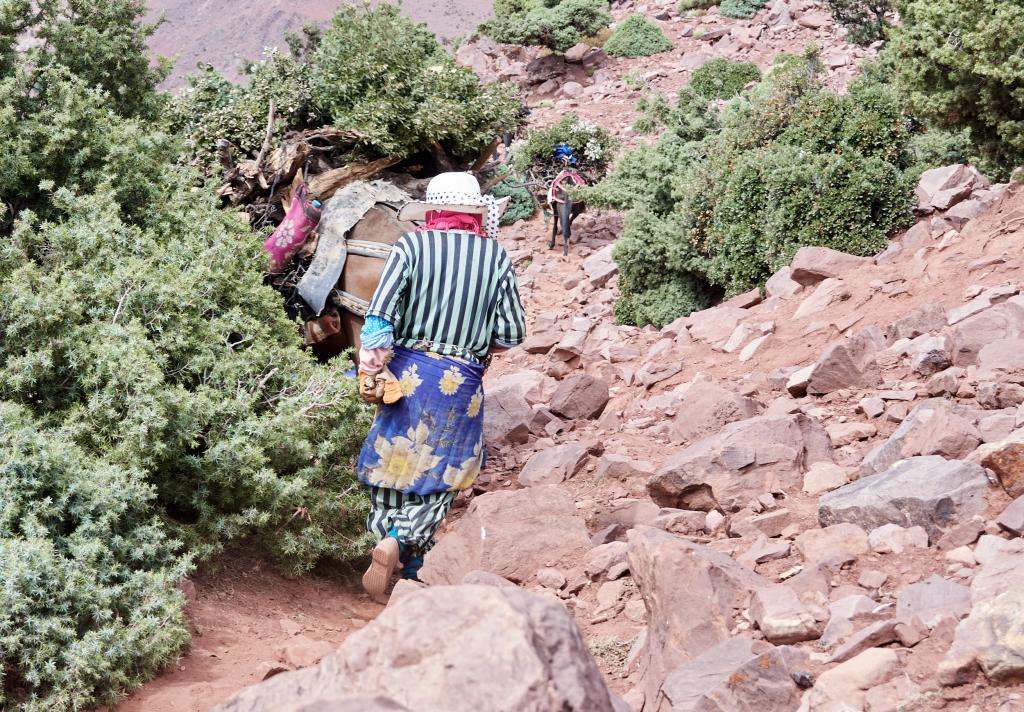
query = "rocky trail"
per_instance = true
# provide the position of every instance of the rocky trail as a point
(808, 498)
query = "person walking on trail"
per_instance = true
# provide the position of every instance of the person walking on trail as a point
(447, 300)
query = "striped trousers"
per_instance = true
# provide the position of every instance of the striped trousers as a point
(415, 517)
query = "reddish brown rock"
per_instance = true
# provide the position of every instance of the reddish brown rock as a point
(684, 621)
(757, 455)
(426, 651)
(1006, 460)
(1012, 518)
(579, 397)
(815, 264)
(553, 465)
(847, 363)
(705, 407)
(737, 674)
(509, 533)
(507, 417)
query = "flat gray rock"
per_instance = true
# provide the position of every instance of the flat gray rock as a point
(926, 491)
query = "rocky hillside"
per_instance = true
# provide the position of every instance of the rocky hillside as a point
(809, 498)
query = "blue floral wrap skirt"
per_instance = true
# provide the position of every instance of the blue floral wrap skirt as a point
(432, 440)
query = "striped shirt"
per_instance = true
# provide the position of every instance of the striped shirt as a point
(452, 288)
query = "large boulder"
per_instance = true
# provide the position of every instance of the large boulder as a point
(831, 291)
(509, 533)
(1000, 568)
(990, 638)
(705, 407)
(737, 674)
(714, 326)
(1003, 321)
(693, 596)
(847, 363)
(425, 652)
(580, 396)
(815, 264)
(935, 427)
(1002, 361)
(744, 459)
(927, 491)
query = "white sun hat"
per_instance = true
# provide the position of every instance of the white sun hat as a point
(460, 193)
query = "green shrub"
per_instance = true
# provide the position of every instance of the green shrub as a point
(212, 107)
(654, 111)
(594, 145)
(558, 24)
(99, 41)
(637, 36)
(717, 205)
(723, 78)
(389, 79)
(521, 206)
(864, 19)
(663, 304)
(373, 72)
(744, 9)
(685, 5)
(155, 401)
(959, 64)
(90, 605)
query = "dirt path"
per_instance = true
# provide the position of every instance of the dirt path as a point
(246, 619)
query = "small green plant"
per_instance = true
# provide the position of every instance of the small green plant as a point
(558, 24)
(654, 111)
(637, 36)
(865, 20)
(521, 205)
(743, 9)
(633, 81)
(687, 5)
(723, 78)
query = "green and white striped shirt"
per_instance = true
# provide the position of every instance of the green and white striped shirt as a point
(452, 288)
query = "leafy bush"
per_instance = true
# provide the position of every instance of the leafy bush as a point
(637, 36)
(958, 61)
(558, 24)
(521, 206)
(211, 107)
(722, 78)
(90, 604)
(390, 80)
(717, 205)
(864, 19)
(594, 145)
(155, 402)
(685, 5)
(373, 72)
(744, 9)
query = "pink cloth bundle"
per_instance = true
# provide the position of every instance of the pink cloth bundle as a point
(299, 222)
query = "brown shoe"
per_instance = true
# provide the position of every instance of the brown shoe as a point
(385, 560)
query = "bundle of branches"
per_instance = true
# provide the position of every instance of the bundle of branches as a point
(374, 91)
(543, 154)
